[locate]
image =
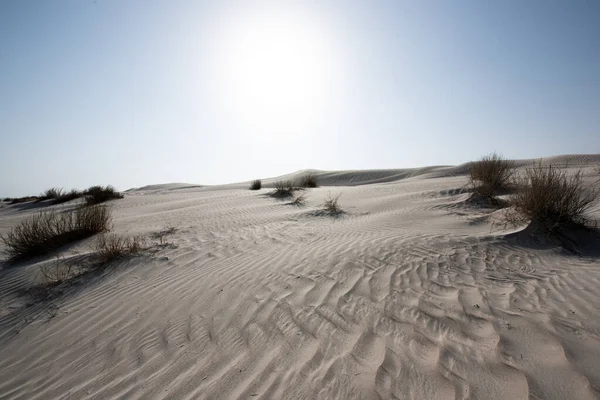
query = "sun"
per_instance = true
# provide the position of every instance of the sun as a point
(276, 71)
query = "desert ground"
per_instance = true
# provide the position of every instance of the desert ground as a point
(411, 293)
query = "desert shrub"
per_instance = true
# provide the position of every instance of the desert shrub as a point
(332, 204)
(58, 195)
(100, 194)
(308, 181)
(57, 272)
(25, 199)
(52, 193)
(49, 230)
(491, 175)
(68, 196)
(553, 197)
(299, 200)
(256, 184)
(284, 189)
(110, 247)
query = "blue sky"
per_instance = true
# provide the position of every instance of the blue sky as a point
(131, 93)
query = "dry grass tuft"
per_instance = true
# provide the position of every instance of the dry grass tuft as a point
(554, 198)
(49, 230)
(299, 200)
(110, 247)
(491, 175)
(52, 193)
(256, 184)
(160, 235)
(100, 194)
(309, 181)
(332, 204)
(67, 196)
(284, 189)
(57, 273)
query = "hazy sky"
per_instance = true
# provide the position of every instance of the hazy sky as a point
(142, 92)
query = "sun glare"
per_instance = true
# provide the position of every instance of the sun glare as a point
(276, 72)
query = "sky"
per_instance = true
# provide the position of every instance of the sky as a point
(132, 93)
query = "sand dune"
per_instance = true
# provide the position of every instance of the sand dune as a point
(411, 294)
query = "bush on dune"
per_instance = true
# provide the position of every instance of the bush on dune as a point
(52, 193)
(20, 200)
(93, 195)
(554, 198)
(491, 176)
(284, 189)
(299, 200)
(256, 184)
(57, 273)
(58, 196)
(111, 246)
(100, 194)
(68, 196)
(309, 181)
(47, 231)
(332, 204)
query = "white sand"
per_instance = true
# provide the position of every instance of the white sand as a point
(410, 295)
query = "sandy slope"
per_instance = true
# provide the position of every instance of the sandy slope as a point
(409, 295)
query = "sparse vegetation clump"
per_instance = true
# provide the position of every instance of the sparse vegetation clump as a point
(93, 195)
(59, 196)
(309, 181)
(332, 204)
(554, 198)
(299, 200)
(491, 176)
(68, 196)
(284, 189)
(100, 194)
(19, 200)
(57, 273)
(112, 246)
(256, 184)
(51, 194)
(49, 230)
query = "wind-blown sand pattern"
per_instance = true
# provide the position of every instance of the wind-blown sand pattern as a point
(410, 294)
